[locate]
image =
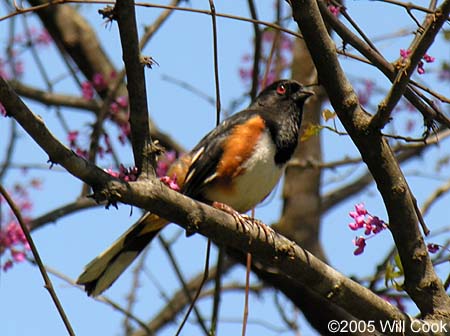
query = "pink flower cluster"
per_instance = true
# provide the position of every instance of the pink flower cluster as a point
(13, 244)
(433, 248)
(372, 225)
(118, 110)
(8, 71)
(335, 10)
(72, 137)
(125, 174)
(14, 67)
(35, 36)
(164, 163)
(404, 54)
(162, 168)
(171, 182)
(98, 83)
(13, 239)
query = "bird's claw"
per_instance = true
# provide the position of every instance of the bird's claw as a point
(244, 221)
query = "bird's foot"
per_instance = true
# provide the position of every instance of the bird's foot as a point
(244, 221)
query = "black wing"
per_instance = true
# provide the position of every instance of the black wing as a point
(208, 152)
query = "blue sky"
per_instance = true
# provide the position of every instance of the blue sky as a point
(183, 49)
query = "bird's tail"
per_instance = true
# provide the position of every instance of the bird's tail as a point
(101, 272)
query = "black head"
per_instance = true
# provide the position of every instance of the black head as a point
(281, 106)
(283, 91)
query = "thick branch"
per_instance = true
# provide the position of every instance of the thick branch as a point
(140, 135)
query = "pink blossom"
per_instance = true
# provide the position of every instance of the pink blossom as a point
(427, 58)
(334, 10)
(372, 225)
(81, 152)
(72, 137)
(7, 265)
(405, 53)
(171, 182)
(114, 108)
(18, 256)
(433, 248)
(111, 172)
(99, 82)
(420, 68)
(360, 243)
(125, 174)
(128, 174)
(43, 37)
(122, 101)
(13, 239)
(165, 162)
(87, 90)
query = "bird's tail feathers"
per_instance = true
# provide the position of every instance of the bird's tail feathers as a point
(101, 272)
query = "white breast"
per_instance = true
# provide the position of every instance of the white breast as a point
(260, 177)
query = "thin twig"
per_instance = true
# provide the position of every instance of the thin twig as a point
(180, 277)
(257, 52)
(217, 292)
(438, 193)
(101, 298)
(216, 60)
(247, 292)
(151, 30)
(131, 297)
(34, 251)
(197, 294)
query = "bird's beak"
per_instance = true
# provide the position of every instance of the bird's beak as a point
(303, 94)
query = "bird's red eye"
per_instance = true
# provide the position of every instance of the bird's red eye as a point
(281, 89)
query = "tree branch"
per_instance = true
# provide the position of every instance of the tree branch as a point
(141, 141)
(55, 99)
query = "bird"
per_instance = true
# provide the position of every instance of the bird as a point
(234, 167)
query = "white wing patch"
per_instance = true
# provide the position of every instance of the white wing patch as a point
(194, 158)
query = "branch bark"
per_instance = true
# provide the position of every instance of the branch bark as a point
(141, 141)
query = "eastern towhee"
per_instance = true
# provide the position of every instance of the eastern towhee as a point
(237, 164)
